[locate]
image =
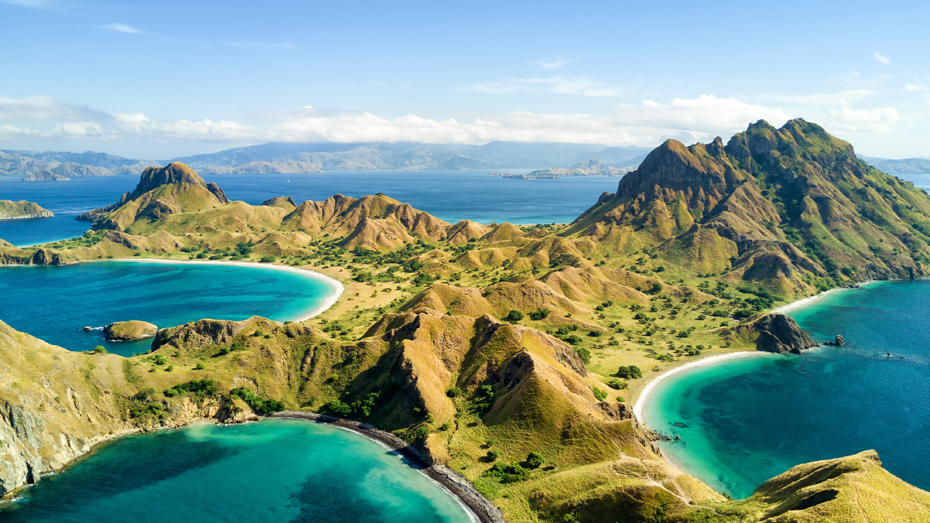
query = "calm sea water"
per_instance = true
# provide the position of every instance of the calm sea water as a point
(55, 303)
(448, 195)
(742, 422)
(273, 471)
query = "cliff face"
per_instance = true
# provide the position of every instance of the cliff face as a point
(22, 210)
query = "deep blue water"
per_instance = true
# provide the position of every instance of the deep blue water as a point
(55, 303)
(448, 195)
(268, 472)
(753, 418)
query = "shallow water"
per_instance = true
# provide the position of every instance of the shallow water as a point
(448, 195)
(744, 421)
(55, 303)
(273, 471)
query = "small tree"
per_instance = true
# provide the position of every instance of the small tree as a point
(535, 460)
(514, 316)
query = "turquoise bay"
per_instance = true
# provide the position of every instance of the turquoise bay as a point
(272, 471)
(746, 420)
(55, 303)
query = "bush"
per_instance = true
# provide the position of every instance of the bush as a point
(268, 259)
(540, 314)
(599, 394)
(160, 360)
(493, 455)
(507, 472)
(255, 402)
(535, 460)
(514, 316)
(584, 354)
(631, 372)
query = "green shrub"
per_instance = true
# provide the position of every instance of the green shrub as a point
(514, 316)
(540, 314)
(257, 403)
(493, 455)
(535, 460)
(268, 259)
(507, 472)
(599, 394)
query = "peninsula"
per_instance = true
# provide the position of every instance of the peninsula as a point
(22, 210)
(511, 355)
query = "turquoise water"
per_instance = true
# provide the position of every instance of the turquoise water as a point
(744, 421)
(55, 303)
(448, 195)
(273, 471)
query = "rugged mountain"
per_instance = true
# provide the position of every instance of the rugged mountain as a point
(52, 166)
(45, 176)
(790, 209)
(162, 192)
(20, 210)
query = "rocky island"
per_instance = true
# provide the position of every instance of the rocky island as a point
(510, 355)
(22, 210)
(132, 330)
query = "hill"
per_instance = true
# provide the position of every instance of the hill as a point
(904, 166)
(483, 344)
(10, 210)
(60, 166)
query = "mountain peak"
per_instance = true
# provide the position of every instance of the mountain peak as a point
(174, 172)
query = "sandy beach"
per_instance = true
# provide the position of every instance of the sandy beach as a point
(329, 302)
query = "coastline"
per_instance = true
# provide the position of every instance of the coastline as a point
(477, 506)
(797, 304)
(327, 303)
(703, 362)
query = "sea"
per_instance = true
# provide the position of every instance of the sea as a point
(744, 421)
(57, 303)
(274, 471)
(448, 195)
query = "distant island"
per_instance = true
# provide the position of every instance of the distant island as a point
(45, 176)
(592, 167)
(22, 210)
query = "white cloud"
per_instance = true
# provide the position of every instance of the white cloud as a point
(882, 59)
(121, 28)
(916, 87)
(554, 64)
(842, 98)
(46, 108)
(876, 120)
(552, 85)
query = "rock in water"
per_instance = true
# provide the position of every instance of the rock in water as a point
(129, 330)
(779, 333)
(839, 342)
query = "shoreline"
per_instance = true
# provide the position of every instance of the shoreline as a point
(703, 362)
(803, 302)
(331, 300)
(477, 506)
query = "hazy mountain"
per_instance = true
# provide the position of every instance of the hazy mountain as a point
(905, 166)
(63, 165)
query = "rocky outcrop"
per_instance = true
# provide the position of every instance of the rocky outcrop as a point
(132, 330)
(780, 334)
(22, 210)
(201, 333)
(285, 202)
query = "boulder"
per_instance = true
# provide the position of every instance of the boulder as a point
(780, 334)
(132, 330)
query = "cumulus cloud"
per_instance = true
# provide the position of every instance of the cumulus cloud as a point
(553, 85)
(916, 87)
(46, 108)
(121, 28)
(881, 59)
(876, 120)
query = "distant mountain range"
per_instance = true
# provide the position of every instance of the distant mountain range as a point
(906, 166)
(60, 166)
(278, 157)
(315, 157)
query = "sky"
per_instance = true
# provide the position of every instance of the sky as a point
(158, 80)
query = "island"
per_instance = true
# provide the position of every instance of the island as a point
(45, 176)
(22, 210)
(508, 358)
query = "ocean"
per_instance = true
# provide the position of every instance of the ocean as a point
(56, 303)
(448, 195)
(744, 421)
(274, 471)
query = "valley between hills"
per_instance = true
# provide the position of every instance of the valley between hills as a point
(512, 355)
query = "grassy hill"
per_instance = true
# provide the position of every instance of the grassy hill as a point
(483, 344)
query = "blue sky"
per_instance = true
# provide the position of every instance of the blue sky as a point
(164, 79)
